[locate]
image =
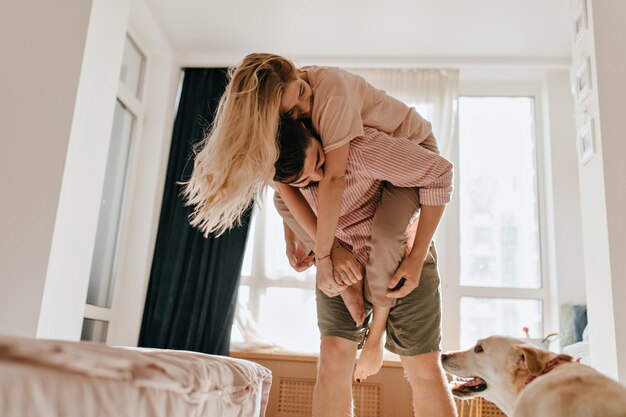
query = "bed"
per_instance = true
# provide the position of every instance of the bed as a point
(81, 379)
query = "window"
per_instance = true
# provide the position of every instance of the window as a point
(490, 250)
(278, 297)
(485, 316)
(127, 117)
(102, 277)
(500, 286)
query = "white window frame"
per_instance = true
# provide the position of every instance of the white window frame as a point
(449, 264)
(135, 105)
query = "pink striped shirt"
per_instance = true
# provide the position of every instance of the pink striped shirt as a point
(373, 159)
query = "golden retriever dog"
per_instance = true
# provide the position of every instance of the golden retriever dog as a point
(525, 381)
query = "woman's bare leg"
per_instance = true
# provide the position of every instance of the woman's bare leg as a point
(371, 358)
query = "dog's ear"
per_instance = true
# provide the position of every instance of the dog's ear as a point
(530, 358)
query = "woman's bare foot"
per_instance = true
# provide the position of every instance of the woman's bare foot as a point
(353, 299)
(370, 361)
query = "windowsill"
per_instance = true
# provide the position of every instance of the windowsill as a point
(389, 359)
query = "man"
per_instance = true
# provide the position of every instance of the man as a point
(413, 324)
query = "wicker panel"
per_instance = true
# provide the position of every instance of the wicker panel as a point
(366, 400)
(295, 397)
(478, 407)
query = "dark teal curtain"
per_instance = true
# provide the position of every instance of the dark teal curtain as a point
(190, 303)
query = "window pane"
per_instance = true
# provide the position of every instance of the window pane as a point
(104, 262)
(499, 229)
(94, 330)
(132, 67)
(275, 259)
(243, 297)
(285, 316)
(483, 317)
(288, 317)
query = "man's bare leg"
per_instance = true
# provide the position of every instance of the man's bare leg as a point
(333, 389)
(353, 299)
(371, 358)
(431, 396)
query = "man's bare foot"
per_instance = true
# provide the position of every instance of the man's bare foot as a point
(353, 299)
(370, 361)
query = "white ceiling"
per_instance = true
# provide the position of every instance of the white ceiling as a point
(211, 31)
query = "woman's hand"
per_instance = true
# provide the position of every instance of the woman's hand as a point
(346, 268)
(325, 278)
(338, 271)
(298, 258)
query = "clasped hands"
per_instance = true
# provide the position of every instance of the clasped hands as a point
(335, 272)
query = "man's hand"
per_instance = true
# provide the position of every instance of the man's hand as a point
(346, 268)
(325, 279)
(298, 258)
(410, 270)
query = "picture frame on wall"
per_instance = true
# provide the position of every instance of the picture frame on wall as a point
(586, 141)
(582, 80)
(580, 21)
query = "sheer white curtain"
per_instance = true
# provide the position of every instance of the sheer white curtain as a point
(276, 305)
(435, 90)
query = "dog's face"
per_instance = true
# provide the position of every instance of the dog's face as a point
(492, 363)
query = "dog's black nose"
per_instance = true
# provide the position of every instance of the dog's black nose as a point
(444, 356)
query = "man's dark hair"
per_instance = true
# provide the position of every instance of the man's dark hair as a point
(293, 141)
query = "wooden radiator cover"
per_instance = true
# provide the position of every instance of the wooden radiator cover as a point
(387, 394)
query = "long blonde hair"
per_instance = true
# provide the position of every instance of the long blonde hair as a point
(235, 160)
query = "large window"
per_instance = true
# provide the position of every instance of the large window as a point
(500, 283)
(489, 246)
(281, 301)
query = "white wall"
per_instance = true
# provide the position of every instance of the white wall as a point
(565, 245)
(610, 32)
(602, 187)
(40, 79)
(58, 96)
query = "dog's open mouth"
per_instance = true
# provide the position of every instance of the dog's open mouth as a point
(468, 386)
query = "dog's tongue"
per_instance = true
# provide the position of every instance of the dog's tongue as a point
(473, 385)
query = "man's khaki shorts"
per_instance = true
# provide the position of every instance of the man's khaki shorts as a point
(414, 323)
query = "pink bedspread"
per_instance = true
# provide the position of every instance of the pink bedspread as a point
(58, 378)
